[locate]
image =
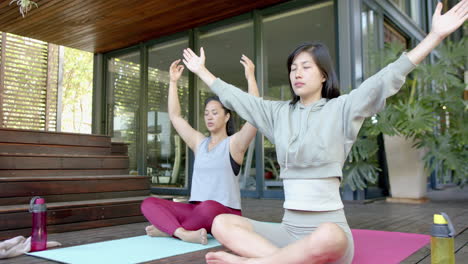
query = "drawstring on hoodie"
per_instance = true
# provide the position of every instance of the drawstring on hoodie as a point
(290, 140)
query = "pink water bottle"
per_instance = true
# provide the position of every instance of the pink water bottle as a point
(39, 232)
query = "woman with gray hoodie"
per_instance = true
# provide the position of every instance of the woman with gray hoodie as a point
(313, 133)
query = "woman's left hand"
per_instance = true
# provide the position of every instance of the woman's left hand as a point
(443, 25)
(249, 67)
(175, 71)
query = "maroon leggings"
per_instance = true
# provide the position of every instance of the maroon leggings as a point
(167, 216)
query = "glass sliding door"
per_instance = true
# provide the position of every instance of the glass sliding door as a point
(166, 151)
(223, 47)
(124, 84)
(283, 32)
(370, 41)
(374, 55)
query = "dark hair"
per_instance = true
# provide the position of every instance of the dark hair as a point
(321, 57)
(230, 126)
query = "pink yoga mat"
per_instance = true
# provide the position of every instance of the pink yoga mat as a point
(371, 247)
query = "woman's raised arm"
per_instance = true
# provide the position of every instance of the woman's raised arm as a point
(241, 140)
(190, 136)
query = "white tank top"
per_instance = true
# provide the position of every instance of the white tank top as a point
(213, 178)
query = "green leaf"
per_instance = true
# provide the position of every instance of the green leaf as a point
(358, 174)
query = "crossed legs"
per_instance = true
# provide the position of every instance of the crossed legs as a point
(327, 243)
(189, 222)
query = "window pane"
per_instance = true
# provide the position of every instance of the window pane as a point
(372, 55)
(374, 59)
(223, 48)
(283, 32)
(370, 42)
(412, 8)
(166, 159)
(124, 81)
(391, 34)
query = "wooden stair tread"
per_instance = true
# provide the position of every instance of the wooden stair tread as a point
(52, 138)
(62, 186)
(51, 132)
(74, 226)
(28, 148)
(51, 162)
(72, 178)
(73, 204)
(14, 173)
(61, 155)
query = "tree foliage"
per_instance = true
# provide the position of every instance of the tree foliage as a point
(77, 91)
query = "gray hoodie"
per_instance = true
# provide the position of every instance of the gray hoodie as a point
(313, 141)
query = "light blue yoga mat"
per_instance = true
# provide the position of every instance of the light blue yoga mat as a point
(124, 251)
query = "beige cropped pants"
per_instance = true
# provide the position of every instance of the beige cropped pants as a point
(298, 224)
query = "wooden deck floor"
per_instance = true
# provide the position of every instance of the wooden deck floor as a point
(377, 215)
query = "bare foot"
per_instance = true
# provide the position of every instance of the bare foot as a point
(222, 257)
(152, 231)
(198, 236)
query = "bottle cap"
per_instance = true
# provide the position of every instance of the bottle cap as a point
(37, 204)
(439, 219)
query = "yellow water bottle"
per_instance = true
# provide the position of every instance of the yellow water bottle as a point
(442, 240)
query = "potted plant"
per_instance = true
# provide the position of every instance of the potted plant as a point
(423, 126)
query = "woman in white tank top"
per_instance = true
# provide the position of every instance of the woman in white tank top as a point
(215, 185)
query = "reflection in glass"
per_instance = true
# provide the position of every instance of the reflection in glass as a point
(372, 56)
(412, 8)
(124, 81)
(166, 157)
(370, 42)
(283, 32)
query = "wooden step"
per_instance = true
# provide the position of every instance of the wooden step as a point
(70, 216)
(53, 138)
(53, 162)
(59, 185)
(119, 148)
(71, 172)
(84, 179)
(75, 197)
(53, 149)
(26, 232)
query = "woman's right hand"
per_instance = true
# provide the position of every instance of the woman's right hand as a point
(444, 25)
(175, 71)
(249, 67)
(193, 62)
